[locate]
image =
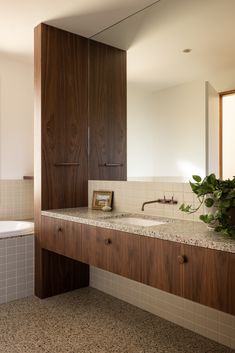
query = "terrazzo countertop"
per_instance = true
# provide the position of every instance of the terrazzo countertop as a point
(181, 231)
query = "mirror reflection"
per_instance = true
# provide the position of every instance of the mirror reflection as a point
(181, 56)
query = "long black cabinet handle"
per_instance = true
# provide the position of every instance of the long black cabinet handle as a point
(111, 165)
(66, 164)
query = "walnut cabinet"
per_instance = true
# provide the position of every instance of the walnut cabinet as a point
(202, 275)
(80, 133)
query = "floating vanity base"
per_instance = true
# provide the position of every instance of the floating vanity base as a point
(201, 274)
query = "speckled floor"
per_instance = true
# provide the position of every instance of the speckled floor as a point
(89, 321)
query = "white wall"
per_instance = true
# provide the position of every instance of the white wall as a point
(213, 130)
(140, 132)
(16, 117)
(166, 131)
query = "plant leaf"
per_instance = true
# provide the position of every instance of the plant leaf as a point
(197, 178)
(204, 218)
(209, 202)
(217, 194)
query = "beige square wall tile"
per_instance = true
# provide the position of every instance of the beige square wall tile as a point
(130, 195)
(16, 199)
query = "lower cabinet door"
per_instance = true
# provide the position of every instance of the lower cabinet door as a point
(162, 263)
(124, 255)
(209, 278)
(61, 237)
(95, 251)
(111, 250)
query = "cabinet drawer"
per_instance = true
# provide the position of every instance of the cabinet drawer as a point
(209, 278)
(160, 267)
(61, 237)
(111, 250)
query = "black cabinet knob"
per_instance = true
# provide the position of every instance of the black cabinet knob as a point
(59, 229)
(107, 241)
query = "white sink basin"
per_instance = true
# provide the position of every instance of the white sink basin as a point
(137, 221)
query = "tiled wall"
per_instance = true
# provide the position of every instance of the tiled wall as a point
(129, 196)
(16, 268)
(208, 322)
(16, 199)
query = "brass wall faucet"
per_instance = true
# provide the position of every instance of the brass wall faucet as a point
(164, 201)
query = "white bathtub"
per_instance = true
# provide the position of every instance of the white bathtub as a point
(14, 228)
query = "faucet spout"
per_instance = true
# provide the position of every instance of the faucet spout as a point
(164, 201)
(148, 202)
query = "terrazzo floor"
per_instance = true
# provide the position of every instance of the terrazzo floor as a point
(89, 321)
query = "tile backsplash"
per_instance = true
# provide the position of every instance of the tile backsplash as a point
(16, 199)
(130, 195)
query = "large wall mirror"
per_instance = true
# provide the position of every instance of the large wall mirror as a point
(180, 55)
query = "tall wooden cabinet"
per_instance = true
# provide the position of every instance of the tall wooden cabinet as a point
(64, 118)
(61, 166)
(80, 123)
(107, 112)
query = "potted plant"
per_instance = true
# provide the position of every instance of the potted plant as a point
(219, 198)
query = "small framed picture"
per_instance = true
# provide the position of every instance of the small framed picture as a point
(101, 199)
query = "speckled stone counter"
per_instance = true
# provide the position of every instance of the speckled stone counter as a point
(181, 231)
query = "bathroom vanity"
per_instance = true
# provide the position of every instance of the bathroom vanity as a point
(179, 257)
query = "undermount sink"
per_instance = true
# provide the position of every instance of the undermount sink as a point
(135, 221)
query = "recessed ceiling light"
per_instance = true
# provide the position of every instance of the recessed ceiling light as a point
(187, 50)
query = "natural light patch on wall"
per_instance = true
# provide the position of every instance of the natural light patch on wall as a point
(163, 128)
(16, 117)
(188, 169)
(228, 136)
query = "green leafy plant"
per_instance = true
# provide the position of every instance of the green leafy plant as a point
(217, 195)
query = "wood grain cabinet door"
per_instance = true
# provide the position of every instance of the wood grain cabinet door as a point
(107, 112)
(94, 248)
(161, 267)
(64, 118)
(209, 278)
(52, 235)
(111, 250)
(61, 237)
(124, 255)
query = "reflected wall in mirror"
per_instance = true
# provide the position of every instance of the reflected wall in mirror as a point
(173, 115)
(16, 117)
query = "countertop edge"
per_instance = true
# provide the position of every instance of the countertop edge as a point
(142, 231)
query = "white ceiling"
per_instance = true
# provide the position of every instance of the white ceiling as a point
(156, 37)
(85, 17)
